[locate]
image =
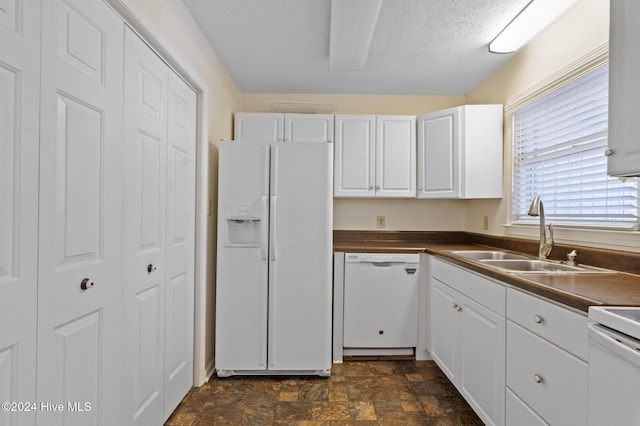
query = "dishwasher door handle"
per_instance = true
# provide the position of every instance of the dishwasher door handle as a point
(381, 264)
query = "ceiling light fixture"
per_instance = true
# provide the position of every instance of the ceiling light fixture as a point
(352, 25)
(529, 22)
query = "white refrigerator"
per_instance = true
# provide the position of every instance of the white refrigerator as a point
(274, 269)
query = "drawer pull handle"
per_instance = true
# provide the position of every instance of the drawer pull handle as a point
(538, 319)
(538, 378)
(457, 307)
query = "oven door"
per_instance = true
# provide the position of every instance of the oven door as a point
(614, 378)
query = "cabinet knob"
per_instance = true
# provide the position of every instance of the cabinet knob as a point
(380, 331)
(151, 267)
(609, 152)
(538, 319)
(370, 187)
(86, 284)
(377, 187)
(538, 378)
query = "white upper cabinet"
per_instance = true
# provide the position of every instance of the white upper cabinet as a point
(623, 153)
(375, 156)
(308, 127)
(258, 127)
(354, 156)
(272, 127)
(460, 152)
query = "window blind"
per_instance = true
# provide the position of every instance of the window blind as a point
(559, 142)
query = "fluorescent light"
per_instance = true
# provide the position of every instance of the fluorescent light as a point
(529, 22)
(352, 25)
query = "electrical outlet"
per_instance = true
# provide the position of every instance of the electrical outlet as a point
(380, 221)
(485, 223)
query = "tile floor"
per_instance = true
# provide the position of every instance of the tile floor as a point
(357, 393)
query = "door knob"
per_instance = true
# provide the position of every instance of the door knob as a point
(150, 268)
(86, 284)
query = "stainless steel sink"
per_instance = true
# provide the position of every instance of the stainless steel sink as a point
(533, 266)
(487, 254)
(523, 264)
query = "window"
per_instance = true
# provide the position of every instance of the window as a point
(558, 153)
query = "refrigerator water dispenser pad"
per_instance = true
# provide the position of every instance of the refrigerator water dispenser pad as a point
(243, 224)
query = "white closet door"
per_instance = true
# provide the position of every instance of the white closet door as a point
(144, 224)
(181, 186)
(19, 103)
(80, 213)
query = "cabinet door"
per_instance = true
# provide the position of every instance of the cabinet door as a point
(81, 159)
(308, 128)
(19, 102)
(438, 152)
(144, 224)
(258, 127)
(624, 89)
(444, 323)
(481, 374)
(396, 156)
(354, 170)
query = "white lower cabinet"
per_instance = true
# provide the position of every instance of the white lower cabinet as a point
(467, 336)
(545, 372)
(529, 368)
(519, 413)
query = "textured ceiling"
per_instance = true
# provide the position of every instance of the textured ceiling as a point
(419, 46)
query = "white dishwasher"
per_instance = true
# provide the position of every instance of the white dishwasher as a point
(380, 303)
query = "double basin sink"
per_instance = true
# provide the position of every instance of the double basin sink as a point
(519, 263)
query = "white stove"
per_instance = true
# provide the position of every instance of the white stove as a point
(614, 365)
(620, 318)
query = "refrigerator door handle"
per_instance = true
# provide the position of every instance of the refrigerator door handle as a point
(264, 229)
(273, 230)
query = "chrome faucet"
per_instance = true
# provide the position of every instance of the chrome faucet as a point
(537, 209)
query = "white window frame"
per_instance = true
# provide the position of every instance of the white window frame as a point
(597, 236)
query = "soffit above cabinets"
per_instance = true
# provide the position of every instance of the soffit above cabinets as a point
(418, 46)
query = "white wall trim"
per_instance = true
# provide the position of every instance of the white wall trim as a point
(592, 60)
(181, 66)
(598, 238)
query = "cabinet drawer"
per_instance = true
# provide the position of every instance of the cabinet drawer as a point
(551, 381)
(558, 325)
(482, 290)
(519, 413)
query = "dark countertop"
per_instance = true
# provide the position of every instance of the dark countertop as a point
(578, 291)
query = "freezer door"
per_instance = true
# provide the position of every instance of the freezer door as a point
(301, 256)
(242, 267)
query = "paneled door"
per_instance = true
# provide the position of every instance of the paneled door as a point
(19, 100)
(79, 286)
(179, 322)
(144, 224)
